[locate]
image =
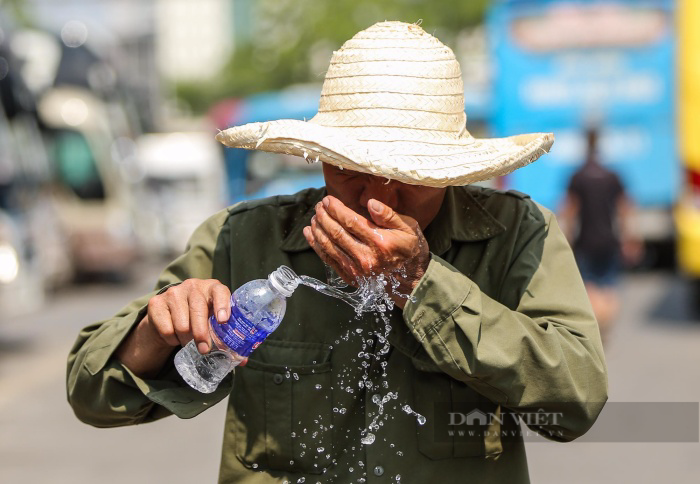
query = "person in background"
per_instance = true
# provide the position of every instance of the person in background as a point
(597, 216)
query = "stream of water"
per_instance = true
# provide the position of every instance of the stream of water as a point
(372, 295)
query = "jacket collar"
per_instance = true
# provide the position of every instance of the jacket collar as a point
(461, 218)
(295, 240)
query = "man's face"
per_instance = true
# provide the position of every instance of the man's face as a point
(355, 189)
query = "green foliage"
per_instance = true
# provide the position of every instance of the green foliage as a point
(18, 11)
(292, 40)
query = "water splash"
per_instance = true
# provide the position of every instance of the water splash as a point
(421, 419)
(368, 439)
(373, 294)
(370, 296)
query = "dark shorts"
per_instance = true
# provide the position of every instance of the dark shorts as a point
(599, 269)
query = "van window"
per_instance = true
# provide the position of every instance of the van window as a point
(76, 165)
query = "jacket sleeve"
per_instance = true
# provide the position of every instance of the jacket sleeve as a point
(105, 393)
(543, 356)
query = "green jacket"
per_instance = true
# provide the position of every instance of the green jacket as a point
(500, 326)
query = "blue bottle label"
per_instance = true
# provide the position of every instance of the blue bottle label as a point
(238, 333)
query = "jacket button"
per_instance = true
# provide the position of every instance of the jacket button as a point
(278, 378)
(378, 471)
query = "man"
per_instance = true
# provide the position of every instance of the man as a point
(597, 213)
(497, 325)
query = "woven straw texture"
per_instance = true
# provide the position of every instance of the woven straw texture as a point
(392, 105)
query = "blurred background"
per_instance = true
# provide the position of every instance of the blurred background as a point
(107, 163)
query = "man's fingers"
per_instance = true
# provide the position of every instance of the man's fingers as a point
(159, 318)
(337, 233)
(384, 216)
(221, 302)
(351, 221)
(199, 321)
(346, 274)
(330, 249)
(180, 315)
(182, 312)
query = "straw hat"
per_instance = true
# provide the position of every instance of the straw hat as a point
(392, 105)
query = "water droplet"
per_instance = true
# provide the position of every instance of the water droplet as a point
(420, 418)
(368, 439)
(320, 449)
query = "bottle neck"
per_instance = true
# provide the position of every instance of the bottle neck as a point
(283, 280)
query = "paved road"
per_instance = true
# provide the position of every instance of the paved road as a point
(653, 356)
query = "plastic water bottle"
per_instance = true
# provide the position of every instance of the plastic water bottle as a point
(257, 309)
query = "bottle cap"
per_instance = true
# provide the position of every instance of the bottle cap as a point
(284, 280)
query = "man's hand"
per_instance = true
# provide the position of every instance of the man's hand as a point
(174, 318)
(390, 243)
(182, 312)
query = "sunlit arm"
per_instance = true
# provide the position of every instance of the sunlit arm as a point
(544, 353)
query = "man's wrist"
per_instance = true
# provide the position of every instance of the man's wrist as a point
(144, 352)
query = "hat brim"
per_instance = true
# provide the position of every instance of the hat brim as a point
(437, 162)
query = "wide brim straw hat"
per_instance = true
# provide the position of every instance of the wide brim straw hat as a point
(392, 105)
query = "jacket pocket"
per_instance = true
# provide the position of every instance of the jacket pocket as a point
(463, 424)
(282, 407)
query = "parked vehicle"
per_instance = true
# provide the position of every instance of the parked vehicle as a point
(91, 195)
(21, 286)
(182, 182)
(33, 258)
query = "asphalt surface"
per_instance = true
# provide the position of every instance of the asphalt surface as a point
(653, 355)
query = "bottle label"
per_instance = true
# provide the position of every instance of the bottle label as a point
(238, 333)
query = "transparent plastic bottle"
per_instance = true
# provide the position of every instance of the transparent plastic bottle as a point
(257, 309)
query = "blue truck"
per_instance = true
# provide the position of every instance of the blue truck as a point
(567, 66)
